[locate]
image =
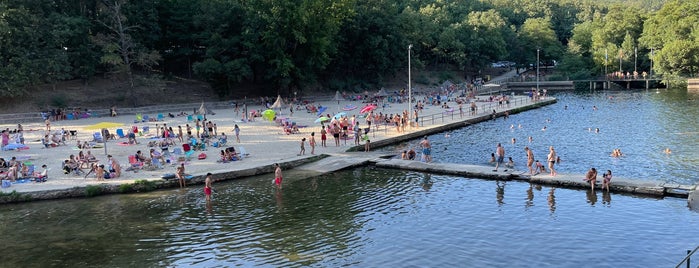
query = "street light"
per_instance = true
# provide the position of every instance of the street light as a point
(410, 92)
(537, 70)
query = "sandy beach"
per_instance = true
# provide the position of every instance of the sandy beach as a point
(264, 141)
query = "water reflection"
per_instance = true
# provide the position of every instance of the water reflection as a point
(427, 182)
(606, 198)
(591, 197)
(551, 199)
(500, 192)
(530, 196)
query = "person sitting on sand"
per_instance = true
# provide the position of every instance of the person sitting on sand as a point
(114, 166)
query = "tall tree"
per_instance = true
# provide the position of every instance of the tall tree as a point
(119, 49)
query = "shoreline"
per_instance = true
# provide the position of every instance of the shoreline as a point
(268, 145)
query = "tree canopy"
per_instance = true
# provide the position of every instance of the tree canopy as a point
(291, 45)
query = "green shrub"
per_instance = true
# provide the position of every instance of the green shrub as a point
(93, 190)
(126, 188)
(445, 75)
(13, 196)
(422, 79)
(144, 186)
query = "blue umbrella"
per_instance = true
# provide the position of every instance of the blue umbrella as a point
(321, 110)
(340, 114)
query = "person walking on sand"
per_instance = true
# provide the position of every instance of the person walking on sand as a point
(591, 177)
(426, 149)
(499, 156)
(179, 172)
(312, 142)
(236, 129)
(551, 158)
(303, 147)
(207, 187)
(278, 175)
(530, 159)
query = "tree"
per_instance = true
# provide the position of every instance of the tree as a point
(537, 34)
(673, 33)
(119, 49)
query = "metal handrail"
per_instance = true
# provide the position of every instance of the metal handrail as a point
(686, 259)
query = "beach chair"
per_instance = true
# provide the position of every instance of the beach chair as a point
(200, 117)
(97, 137)
(135, 163)
(69, 117)
(120, 133)
(190, 118)
(146, 118)
(187, 151)
(242, 153)
(161, 117)
(139, 118)
(145, 129)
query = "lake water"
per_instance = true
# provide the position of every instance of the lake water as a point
(369, 217)
(363, 217)
(640, 123)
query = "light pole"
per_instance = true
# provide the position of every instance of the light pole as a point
(410, 92)
(537, 70)
(651, 63)
(606, 58)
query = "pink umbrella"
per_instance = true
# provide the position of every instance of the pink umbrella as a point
(367, 109)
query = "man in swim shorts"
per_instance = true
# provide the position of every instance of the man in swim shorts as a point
(499, 156)
(426, 149)
(207, 187)
(278, 175)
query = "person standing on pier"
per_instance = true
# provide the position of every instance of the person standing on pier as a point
(552, 160)
(530, 159)
(426, 149)
(499, 156)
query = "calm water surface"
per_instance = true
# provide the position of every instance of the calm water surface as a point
(363, 217)
(640, 123)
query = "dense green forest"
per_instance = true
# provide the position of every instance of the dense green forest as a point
(338, 44)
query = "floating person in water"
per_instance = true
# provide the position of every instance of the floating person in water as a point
(667, 151)
(510, 163)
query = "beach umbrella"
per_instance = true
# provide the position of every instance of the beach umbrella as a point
(322, 109)
(367, 109)
(338, 97)
(204, 110)
(322, 119)
(349, 107)
(278, 103)
(102, 125)
(382, 93)
(269, 114)
(339, 115)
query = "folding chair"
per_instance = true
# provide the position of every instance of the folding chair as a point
(97, 137)
(135, 163)
(187, 151)
(146, 118)
(139, 118)
(120, 133)
(161, 117)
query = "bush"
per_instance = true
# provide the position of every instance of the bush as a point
(126, 188)
(13, 196)
(93, 190)
(144, 186)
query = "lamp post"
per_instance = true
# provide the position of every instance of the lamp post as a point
(651, 63)
(410, 92)
(537, 70)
